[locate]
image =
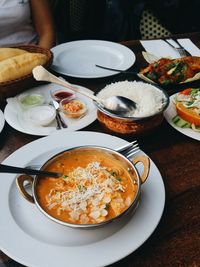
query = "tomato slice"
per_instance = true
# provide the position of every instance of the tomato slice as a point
(186, 91)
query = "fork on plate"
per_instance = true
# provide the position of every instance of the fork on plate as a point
(129, 150)
(179, 48)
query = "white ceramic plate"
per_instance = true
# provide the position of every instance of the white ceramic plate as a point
(2, 121)
(15, 119)
(30, 238)
(78, 58)
(170, 113)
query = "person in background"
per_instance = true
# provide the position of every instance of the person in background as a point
(111, 20)
(26, 22)
(120, 20)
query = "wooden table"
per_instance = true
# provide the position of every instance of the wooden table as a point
(176, 240)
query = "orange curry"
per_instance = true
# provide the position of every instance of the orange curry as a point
(95, 187)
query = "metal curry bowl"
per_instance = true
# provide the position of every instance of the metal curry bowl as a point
(165, 103)
(136, 179)
(123, 125)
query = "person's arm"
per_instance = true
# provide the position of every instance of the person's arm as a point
(43, 22)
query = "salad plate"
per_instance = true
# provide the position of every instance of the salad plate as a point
(44, 243)
(78, 58)
(170, 115)
(16, 119)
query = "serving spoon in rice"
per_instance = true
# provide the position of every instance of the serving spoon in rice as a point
(115, 104)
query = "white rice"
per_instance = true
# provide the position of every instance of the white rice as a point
(150, 99)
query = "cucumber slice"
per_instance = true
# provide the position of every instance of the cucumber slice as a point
(175, 119)
(178, 121)
(181, 123)
(187, 125)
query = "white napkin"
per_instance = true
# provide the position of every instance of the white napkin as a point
(160, 48)
(190, 47)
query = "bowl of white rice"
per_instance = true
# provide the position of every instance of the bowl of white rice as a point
(151, 100)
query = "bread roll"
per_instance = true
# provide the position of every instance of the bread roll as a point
(6, 53)
(19, 66)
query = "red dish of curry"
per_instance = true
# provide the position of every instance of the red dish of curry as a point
(171, 71)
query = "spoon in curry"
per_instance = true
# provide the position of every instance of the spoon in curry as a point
(114, 104)
(13, 169)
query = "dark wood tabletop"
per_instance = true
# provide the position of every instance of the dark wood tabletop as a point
(176, 240)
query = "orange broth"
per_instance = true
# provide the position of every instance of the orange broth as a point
(95, 187)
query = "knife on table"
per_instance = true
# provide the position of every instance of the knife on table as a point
(63, 123)
(60, 121)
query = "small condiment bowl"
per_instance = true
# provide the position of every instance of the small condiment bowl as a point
(27, 101)
(40, 115)
(60, 94)
(129, 164)
(73, 108)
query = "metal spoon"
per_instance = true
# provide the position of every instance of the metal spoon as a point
(12, 169)
(60, 122)
(115, 104)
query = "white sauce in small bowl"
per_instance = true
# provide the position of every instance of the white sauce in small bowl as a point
(41, 115)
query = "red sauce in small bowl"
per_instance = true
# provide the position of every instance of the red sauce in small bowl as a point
(59, 95)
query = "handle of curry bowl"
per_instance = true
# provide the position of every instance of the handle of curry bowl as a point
(146, 163)
(20, 184)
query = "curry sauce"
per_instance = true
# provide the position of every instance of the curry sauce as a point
(95, 187)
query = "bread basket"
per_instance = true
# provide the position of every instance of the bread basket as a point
(14, 87)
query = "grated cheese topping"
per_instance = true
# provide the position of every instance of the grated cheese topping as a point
(85, 193)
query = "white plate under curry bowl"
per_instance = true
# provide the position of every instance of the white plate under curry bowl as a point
(32, 239)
